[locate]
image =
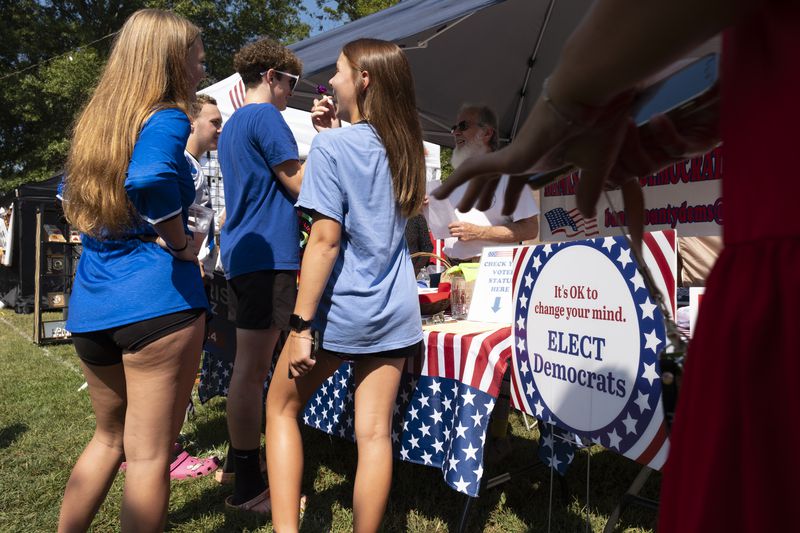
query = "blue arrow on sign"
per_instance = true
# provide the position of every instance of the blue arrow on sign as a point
(496, 306)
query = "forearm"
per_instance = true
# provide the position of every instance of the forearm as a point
(290, 174)
(171, 232)
(318, 260)
(521, 230)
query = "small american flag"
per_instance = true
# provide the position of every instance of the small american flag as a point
(501, 253)
(236, 95)
(571, 223)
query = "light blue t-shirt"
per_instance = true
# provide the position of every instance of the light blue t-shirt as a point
(124, 280)
(261, 229)
(370, 303)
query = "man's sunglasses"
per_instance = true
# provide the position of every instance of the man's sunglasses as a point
(462, 126)
(293, 78)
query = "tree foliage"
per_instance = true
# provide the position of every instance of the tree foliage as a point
(53, 51)
(348, 10)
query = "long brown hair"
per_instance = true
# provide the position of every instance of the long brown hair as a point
(390, 106)
(146, 71)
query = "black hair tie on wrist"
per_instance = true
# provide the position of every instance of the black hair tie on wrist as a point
(176, 250)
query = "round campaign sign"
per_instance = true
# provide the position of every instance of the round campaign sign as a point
(587, 339)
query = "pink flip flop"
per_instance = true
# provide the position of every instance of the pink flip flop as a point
(185, 466)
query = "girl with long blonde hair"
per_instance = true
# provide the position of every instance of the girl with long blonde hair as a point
(137, 306)
(357, 288)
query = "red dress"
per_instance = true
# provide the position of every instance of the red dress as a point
(732, 463)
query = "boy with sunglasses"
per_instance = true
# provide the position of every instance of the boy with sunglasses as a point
(259, 246)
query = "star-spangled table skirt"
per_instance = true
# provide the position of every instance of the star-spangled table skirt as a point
(441, 414)
(444, 402)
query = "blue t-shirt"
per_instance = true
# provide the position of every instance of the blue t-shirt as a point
(370, 303)
(124, 280)
(260, 231)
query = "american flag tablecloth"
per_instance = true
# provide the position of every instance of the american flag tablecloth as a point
(443, 405)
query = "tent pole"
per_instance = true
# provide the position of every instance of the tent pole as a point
(441, 31)
(531, 63)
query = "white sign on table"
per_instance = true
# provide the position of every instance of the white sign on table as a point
(587, 336)
(491, 299)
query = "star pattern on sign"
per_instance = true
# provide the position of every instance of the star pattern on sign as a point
(647, 308)
(425, 427)
(624, 258)
(630, 424)
(637, 281)
(650, 373)
(645, 390)
(643, 401)
(653, 342)
(614, 440)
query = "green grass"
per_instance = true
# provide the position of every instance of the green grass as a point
(45, 421)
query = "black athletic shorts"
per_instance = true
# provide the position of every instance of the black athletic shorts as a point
(105, 347)
(264, 299)
(397, 353)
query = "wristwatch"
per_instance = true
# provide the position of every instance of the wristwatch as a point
(298, 323)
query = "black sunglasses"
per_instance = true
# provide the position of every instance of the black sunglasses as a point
(462, 126)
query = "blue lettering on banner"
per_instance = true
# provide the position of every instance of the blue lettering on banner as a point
(584, 345)
(603, 382)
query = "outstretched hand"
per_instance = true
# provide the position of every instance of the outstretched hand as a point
(547, 141)
(605, 145)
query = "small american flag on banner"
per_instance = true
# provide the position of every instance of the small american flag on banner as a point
(571, 223)
(501, 253)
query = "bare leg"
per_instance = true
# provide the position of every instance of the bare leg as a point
(285, 399)
(254, 349)
(159, 379)
(97, 466)
(377, 381)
